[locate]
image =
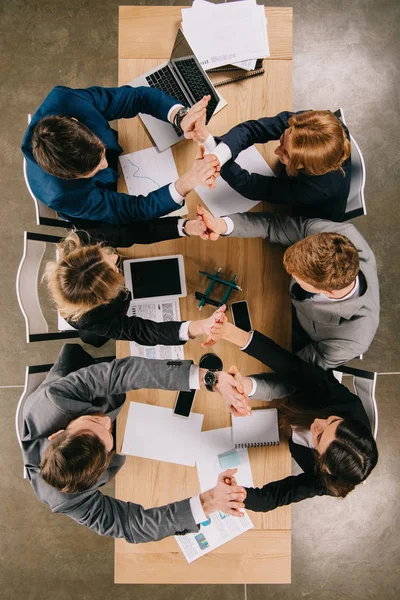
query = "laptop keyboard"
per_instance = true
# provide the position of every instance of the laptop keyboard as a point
(164, 81)
(199, 86)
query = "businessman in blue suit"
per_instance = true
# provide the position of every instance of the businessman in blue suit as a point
(72, 153)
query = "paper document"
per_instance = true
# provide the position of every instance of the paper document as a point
(217, 530)
(167, 310)
(223, 200)
(217, 453)
(228, 33)
(155, 432)
(148, 170)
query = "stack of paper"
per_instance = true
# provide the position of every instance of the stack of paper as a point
(230, 33)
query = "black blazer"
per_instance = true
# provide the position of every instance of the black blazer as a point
(323, 196)
(318, 390)
(110, 321)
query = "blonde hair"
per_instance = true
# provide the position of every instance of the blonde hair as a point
(81, 280)
(317, 143)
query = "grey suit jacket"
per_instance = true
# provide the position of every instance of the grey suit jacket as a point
(340, 330)
(101, 387)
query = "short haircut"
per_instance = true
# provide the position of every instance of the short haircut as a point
(318, 143)
(327, 261)
(66, 148)
(74, 463)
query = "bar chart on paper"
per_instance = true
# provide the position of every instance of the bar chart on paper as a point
(148, 170)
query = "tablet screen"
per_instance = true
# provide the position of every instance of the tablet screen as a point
(153, 278)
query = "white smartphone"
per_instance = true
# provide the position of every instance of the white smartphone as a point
(241, 315)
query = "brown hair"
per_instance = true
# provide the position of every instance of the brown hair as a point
(317, 143)
(81, 281)
(74, 463)
(66, 148)
(327, 261)
(349, 458)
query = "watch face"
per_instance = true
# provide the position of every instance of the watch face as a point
(210, 378)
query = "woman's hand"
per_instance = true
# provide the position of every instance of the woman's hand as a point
(226, 497)
(232, 392)
(217, 329)
(214, 226)
(203, 326)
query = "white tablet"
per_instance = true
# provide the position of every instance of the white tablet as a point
(156, 278)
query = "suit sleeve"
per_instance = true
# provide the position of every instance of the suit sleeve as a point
(277, 228)
(276, 190)
(126, 102)
(255, 132)
(124, 236)
(108, 516)
(331, 354)
(120, 376)
(141, 331)
(283, 492)
(115, 207)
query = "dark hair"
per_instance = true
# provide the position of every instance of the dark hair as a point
(348, 460)
(74, 463)
(66, 148)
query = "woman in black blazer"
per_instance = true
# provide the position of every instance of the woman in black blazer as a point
(331, 436)
(89, 290)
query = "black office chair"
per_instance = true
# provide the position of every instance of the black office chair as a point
(356, 206)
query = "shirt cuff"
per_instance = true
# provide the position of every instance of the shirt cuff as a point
(253, 386)
(171, 110)
(249, 342)
(180, 227)
(221, 151)
(197, 510)
(184, 332)
(210, 144)
(175, 195)
(194, 377)
(229, 225)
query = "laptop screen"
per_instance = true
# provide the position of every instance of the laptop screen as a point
(181, 49)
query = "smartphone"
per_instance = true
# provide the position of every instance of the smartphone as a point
(241, 315)
(183, 404)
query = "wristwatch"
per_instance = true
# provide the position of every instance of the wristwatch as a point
(210, 380)
(182, 112)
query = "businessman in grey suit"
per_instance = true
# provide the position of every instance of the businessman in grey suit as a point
(334, 286)
(68, 444)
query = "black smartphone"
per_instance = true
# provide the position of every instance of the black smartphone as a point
(184, 403)
(241, 315)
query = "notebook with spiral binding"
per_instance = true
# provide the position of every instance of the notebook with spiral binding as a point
(260, 429)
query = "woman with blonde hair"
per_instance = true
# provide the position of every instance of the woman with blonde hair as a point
(314, 148)
(88, 287)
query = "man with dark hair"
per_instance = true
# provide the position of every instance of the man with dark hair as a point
(72, 153)
(334, 287)
(68, 443)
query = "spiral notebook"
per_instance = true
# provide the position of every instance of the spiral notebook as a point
(260, 429)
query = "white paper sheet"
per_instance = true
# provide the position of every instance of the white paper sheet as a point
(222, 34)
(223, 200)
(167, 310)
(214, 532)
(148, 170)
(155, 432)
(214, 443)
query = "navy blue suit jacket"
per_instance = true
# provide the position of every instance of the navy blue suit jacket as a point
(97, 198)
(322, 196)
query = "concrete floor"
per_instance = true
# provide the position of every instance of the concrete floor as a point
(345, 54)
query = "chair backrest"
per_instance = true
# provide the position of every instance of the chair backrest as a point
(356, 206)
(44, 214)
(34, 376)
(37, 328)
(365, 386)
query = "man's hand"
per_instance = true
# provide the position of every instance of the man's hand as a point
(232, 392)
(226, 497)
(203, 326)
(199, 132)
(196, 113)
(196, 227)
(216, 331)
(214, 226)
(203, 172)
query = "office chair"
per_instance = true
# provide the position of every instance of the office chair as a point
(44, 214)
(37, 329)
(364, 386)
(356, 206)
(34, 376)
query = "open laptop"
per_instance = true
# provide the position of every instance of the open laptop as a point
(182, 78)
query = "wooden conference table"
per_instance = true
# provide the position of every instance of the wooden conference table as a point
(263, 554)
